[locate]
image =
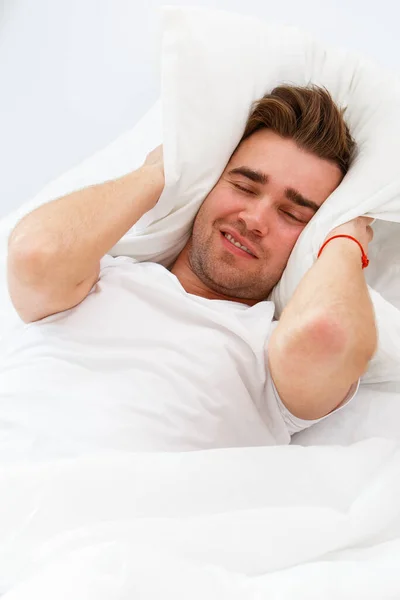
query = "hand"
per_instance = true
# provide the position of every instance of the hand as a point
(155, 159)
(152, 171)
(358, 228)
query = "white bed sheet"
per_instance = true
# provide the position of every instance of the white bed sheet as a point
(277, 523)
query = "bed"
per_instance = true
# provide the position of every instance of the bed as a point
(318, 518)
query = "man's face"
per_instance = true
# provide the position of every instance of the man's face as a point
(268, 192)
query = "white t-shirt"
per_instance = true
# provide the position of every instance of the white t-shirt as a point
(142, 365)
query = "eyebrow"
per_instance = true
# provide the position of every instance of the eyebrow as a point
(298, 199)
(262, 178)
(256, 176)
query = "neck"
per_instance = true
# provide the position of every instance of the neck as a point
(192, 284)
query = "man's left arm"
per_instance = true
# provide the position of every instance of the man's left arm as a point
(327, 333)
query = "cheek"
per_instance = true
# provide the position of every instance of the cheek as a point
(213, 212)
(284, 242)
(222, 201)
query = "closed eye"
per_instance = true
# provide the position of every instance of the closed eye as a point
(293, 217)
(251, 192)
(244, 189)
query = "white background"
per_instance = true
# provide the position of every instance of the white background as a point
(75, 74)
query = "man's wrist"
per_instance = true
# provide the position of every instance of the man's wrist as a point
(343, 247)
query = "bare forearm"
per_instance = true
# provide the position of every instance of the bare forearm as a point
(335, 290)
(326, 335)
(75, 231)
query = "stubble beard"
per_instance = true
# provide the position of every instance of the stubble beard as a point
(221, 274)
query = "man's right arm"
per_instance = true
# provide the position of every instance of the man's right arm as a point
(54, 252)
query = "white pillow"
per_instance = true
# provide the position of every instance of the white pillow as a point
(215, 64)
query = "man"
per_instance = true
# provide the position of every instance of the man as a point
(198, 333)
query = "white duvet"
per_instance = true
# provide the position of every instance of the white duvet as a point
(277, 523)
(321, 521)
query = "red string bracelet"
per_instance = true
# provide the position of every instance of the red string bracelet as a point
(364, 257)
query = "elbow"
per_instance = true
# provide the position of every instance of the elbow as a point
(315, 362)
(351, 344)
(319, 335)
(323, 338)
(27, 259)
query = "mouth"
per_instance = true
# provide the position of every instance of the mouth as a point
(235, 246)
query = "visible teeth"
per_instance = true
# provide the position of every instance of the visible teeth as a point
(235, 243)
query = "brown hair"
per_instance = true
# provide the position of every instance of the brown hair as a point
(310, 117)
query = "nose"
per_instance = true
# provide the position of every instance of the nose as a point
(256, 218)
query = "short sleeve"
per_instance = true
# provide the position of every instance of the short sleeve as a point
(294, 424)
(109, 262)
